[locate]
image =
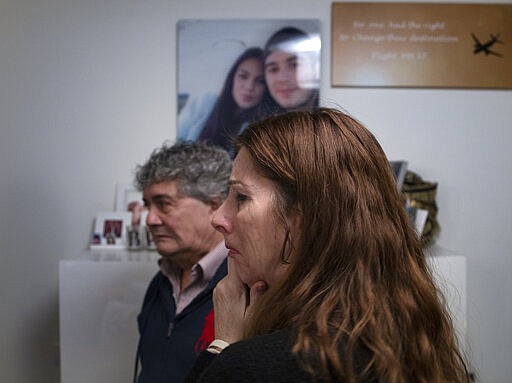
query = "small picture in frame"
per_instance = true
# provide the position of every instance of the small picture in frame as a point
(126, 193)
(110, 230)
(399, 169)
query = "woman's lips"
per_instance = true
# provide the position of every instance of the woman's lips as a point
(232, 251)
(248, 98)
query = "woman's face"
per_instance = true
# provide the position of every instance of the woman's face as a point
(288, 79)
(247, 220)
(248, 83)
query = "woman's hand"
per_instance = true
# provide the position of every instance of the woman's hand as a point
(232, 302)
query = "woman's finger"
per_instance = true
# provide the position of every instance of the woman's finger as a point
(256, 291)
(230, 301)
(233, 276)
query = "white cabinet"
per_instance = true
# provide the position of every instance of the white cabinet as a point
(450, 274)
(101, 295)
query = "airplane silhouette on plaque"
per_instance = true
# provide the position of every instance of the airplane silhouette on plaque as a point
(486, 46)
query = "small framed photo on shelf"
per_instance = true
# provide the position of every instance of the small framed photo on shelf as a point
(126, 193)
(138, 235)
(399, 169)
(110, 230)
(417, 217)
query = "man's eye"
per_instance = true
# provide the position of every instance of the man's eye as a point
(163, 205)
(293, 65)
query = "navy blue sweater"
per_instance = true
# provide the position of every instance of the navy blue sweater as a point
(169, 343)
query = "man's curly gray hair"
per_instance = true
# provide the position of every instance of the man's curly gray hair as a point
(201, 170)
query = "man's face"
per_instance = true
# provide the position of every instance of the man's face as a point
(289, 78)
(180, 225)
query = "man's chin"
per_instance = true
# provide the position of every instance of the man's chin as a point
(165, 249)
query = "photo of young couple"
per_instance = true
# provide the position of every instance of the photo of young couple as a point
(233, 72)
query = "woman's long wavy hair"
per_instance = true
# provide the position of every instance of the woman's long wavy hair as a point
(226, 118)
(358, 279)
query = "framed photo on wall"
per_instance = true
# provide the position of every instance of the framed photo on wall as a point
(232, 72)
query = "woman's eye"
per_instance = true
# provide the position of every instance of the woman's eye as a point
(240, 197)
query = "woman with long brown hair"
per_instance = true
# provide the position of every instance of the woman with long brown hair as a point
(219, 119)
(327, 279)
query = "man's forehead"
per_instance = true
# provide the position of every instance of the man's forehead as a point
(169, 187)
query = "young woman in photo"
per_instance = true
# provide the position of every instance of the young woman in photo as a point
(218, 119)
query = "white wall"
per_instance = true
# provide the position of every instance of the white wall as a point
(87, 90)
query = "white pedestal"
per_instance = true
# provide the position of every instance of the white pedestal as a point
(450, 273)
(100, 296)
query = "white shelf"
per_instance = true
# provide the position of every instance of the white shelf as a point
(100, 295)
(449, 270)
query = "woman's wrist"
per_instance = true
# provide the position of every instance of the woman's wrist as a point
(217, 346)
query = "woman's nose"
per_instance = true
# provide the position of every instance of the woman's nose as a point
(251, 85)
(219, 222)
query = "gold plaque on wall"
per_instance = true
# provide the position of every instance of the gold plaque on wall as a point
(436, 45)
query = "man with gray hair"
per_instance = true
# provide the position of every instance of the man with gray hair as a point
(182, 186)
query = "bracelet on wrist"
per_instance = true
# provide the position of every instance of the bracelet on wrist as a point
(217, 346)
